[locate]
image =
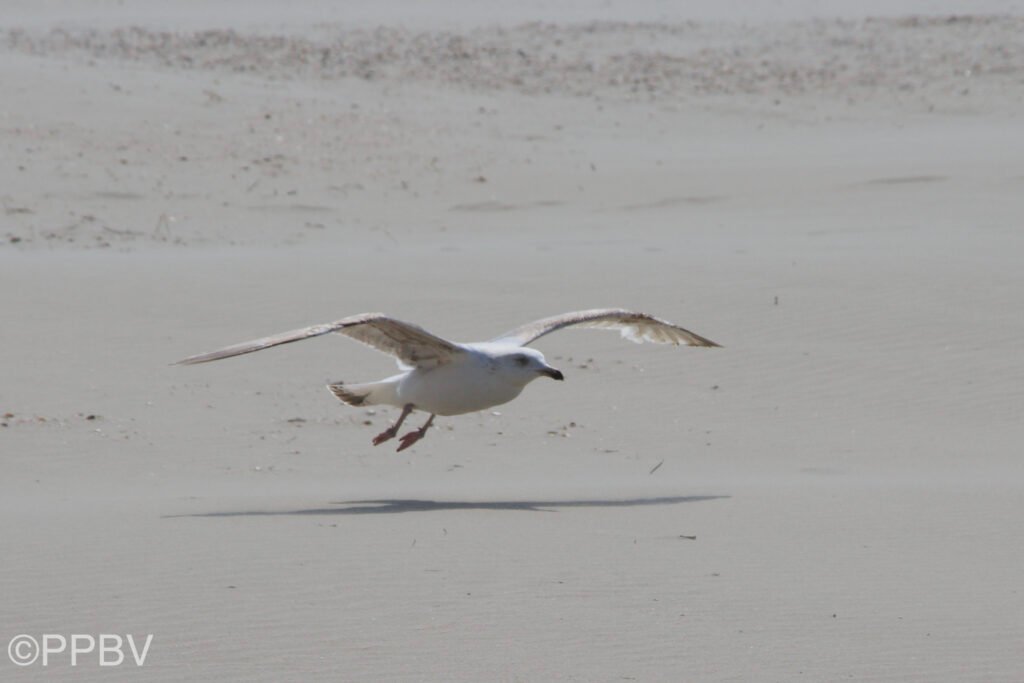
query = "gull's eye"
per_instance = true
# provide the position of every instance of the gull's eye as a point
(521, 360)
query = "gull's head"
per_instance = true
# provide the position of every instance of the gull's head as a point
(526, 365)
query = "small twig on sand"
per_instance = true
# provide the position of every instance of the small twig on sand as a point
(655, 468)
(124, 233)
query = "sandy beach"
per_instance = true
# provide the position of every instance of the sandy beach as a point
(834, 196)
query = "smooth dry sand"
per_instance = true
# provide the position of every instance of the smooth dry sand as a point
(835, 495)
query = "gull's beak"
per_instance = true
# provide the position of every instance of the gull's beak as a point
(553, 374)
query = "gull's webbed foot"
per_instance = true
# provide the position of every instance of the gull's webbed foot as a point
(386, 435)
(392, 431)
(414, 436)
(409, 439)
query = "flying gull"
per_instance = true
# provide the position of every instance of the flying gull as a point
(441, 377)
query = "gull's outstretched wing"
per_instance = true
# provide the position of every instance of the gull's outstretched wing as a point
(636, 327)
(410, 344)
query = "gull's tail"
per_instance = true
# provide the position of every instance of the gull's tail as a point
(351, 394)
(371, 393)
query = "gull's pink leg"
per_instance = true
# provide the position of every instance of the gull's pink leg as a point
(414, 436)
(392, 431)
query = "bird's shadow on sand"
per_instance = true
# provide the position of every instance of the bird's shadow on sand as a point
(400, 505)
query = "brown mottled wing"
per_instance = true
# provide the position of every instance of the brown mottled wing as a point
(637, 327)
(410, 344)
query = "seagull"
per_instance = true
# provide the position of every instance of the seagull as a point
(442, 377)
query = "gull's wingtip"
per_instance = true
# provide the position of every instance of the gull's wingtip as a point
(701, 342)
(192, 360)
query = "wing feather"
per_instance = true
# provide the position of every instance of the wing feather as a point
(410, 344)
(634, 326)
